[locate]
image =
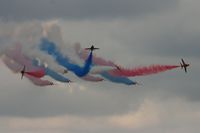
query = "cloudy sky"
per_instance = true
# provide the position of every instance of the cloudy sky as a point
(129, 32)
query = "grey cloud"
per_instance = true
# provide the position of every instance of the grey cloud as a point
(180, 44)
(162, 38)
(172, 115)
(80, 9)
(148, 39)
(157, 38)
(27, 100)
(36, 102)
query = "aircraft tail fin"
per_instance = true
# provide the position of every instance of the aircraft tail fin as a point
(23, 71)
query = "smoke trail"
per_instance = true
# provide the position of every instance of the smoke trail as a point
(25, 32)
(51, 73)
(28, 34)
(100, 69)
(15, 53)
(39, 82)
(103, 65)
(32, 67)
(142, 71)
(101, 62)
(92, 78)
(18, 57)
(122, 80)
(38, 74)
(55, 75)
(15, 67)
(51, 49)
(51, 31)
(96, 60)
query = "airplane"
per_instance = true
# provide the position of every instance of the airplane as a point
(23, 72)
(65, 71)
(118, 68)
(92, 48)
(184, 65)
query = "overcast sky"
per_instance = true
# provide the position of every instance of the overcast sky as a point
(129, 32)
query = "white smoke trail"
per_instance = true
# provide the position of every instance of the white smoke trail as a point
(28, 34)
(54, 33)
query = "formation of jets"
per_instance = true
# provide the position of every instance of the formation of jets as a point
(183, 65)
(23, 71)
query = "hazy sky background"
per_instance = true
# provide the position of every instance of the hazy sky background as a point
(129, 32)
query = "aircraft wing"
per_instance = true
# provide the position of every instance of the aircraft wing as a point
(91, 48)
(96, 48)
(185, 69)
(183, 61)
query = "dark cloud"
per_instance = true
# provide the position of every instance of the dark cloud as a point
(160, 36)
(50, 102)
(157, 38)
(174, 84)
(80, 9)
(176, 45)
(27, 100)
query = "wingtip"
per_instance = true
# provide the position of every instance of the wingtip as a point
(117, 67)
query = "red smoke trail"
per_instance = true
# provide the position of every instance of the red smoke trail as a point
(38, 81)
(38, 74)
(142, 71)
(139, 71)
(15, 67)
(16, 54)
(92, 78)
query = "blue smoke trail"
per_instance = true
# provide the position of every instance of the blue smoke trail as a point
(52, 73)
(122, 80)
(51, 49)
(56, 76)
